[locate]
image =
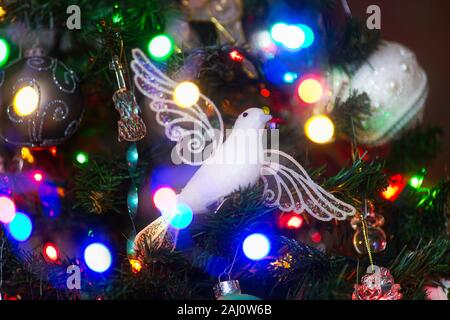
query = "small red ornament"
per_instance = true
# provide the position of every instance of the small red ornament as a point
(377, 285)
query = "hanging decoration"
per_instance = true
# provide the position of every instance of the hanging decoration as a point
(368, 227)
(377, 284)
(130, 125)
(231, 290)
(40, 101)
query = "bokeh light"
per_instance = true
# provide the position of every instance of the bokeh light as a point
(38, 176)
(82, 157)
(136, 265)
(51, 252)
(291, 37)
(278, 32)
(295, 37)
(161, 47)
(7, 209)
(186, 94)
(4, 52)
(256, 246)
(179, 217)
(310, 90)
(26, 101)
(294, 222)
(319, 129)
(20, 227)
(236, 56)
(316, 237)
(309, 35)
(97, 257)
(165, 199)
(289, 77)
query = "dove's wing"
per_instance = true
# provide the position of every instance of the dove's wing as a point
(288, 186)
(197, 139)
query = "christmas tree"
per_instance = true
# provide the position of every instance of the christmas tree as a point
(202, 149)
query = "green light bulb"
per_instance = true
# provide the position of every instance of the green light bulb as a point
(161, 47)
(4, 52)
(82, 157)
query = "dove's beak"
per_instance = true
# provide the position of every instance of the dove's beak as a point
(267, 116)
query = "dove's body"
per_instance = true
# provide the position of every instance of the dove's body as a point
(236, 164)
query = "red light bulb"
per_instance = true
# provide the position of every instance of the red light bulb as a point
(51, 252)
(236, 56)
(295, 222)
(316, 237)
(37, 176)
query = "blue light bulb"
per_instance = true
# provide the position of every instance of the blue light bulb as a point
(20, 227)
(309, 35)
(179, 217)
(97, 257)
(289, 77)
(256, 246)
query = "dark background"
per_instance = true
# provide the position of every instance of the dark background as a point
(424, 27)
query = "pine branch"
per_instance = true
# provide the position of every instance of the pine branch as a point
(350, 114)
(413, 269)
(423, 214)
(353, 44)
(363, 180)
(414, 149)
(99, 186)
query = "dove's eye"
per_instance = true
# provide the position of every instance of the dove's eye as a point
(245, 114)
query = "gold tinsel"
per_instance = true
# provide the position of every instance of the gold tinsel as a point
(284, 262)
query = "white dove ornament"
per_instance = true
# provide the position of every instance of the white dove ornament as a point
(236, 162)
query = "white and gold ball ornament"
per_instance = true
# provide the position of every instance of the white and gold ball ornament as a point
(40, 101)
(396, 85)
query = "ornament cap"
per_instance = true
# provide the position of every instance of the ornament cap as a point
(35, 52)
(224, 288)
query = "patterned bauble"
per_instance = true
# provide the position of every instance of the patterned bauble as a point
(40, 101)
(396, 85)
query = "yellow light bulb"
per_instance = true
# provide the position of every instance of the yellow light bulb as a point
(319, 129)
(26, 101)
(26, 154)
(310, 90)
(186, 94)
